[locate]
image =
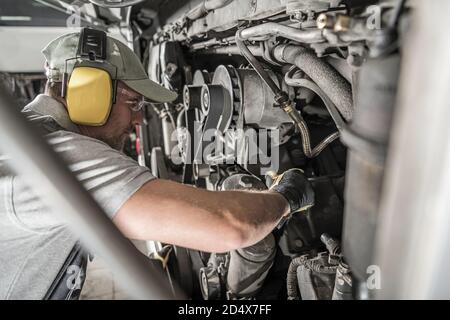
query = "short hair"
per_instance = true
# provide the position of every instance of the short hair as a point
(53, 89)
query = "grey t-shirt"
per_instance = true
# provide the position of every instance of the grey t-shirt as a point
(34, 244)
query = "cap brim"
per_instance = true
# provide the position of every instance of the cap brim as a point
(151, 90)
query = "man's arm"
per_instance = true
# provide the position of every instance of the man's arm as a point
(215, 221)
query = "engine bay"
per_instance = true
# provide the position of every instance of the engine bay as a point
(265, 86)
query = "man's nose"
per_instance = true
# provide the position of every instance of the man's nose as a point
(137, 118)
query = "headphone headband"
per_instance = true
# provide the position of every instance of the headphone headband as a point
(92, 44)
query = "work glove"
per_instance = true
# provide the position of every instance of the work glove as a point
(295, 188)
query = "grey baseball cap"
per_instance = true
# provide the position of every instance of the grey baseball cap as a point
(121, 62)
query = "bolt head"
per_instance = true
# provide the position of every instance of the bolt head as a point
(322, 21)
(205, 99)
(186, 96)
(298, 243)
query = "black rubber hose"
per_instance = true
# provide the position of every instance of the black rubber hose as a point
(395, 18)
(308, 84)
(255, 64)
(291, 279)
(324, 75)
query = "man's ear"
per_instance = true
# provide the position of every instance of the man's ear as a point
(53, 89)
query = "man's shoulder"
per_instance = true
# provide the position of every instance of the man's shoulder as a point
(74, 147)
(64, 136)
(110, 175)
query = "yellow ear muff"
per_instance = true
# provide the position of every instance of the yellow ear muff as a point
(89, 96)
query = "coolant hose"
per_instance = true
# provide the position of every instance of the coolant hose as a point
(286, 105)
(308, 84)
(324, 75)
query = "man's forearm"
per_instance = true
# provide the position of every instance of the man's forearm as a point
(200, 219)
(254, 213)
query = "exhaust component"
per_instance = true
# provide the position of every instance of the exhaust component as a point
(248, 267)
(367, 139)
(239, 273)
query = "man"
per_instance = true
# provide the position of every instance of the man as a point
(34, 244)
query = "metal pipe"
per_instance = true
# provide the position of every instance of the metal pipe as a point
(304, 133)
(275, 29)
(50, 178)
(232, 50)
(367, 139)
(255, 63)
(206, 6)
(116, 4)
(212, 42)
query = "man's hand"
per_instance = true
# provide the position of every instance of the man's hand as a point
(295, 188)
